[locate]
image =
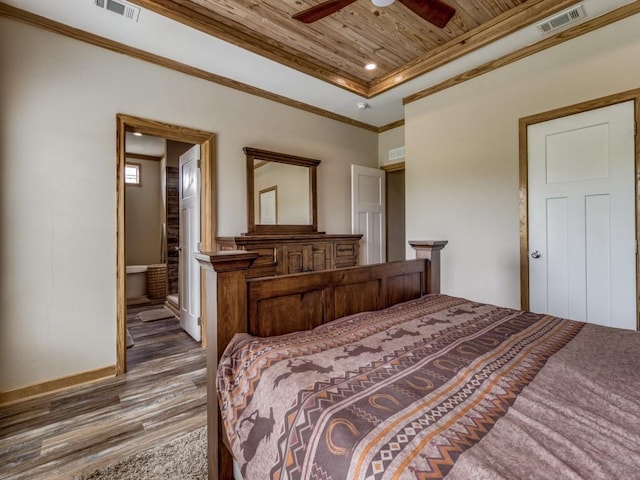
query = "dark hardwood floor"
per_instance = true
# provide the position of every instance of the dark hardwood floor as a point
(62, 434)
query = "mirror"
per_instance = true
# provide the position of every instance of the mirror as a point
(281, 193)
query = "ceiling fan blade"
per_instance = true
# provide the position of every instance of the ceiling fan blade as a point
(433, 11)
(325, 9)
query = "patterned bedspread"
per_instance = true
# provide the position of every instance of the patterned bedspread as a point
(433, 388)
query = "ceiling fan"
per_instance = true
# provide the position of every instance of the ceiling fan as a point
(433, 11)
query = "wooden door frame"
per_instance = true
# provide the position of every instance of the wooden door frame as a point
(524, 123)
(207, 141)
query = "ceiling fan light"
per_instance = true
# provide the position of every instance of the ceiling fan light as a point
(382, 3)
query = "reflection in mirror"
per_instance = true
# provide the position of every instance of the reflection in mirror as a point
(282, 192)
(268, 206)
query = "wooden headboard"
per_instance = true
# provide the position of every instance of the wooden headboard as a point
(277, 305)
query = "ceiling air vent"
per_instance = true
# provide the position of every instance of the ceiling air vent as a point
(396, 154)
(561, 20)
(120, 7)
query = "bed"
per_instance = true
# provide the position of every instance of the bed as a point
(386, 378)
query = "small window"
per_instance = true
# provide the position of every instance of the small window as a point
(132, 173)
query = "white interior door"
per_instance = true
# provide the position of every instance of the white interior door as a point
(367, 212)
(189, 291)
(582, 237)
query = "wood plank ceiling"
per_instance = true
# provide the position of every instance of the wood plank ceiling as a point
(337, 47)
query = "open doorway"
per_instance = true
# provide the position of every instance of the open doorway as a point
(154, 255)
(149, 234)
(395, 205)
(174, 151)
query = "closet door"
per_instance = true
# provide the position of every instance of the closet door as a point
(582, 234)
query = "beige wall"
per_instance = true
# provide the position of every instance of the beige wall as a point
(174, 150)
(462, 153)
(58, 104)
(388, 140)
(396, 241)
(143, 215)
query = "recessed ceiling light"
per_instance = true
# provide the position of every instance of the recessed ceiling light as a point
(371, 66)
(137, 134)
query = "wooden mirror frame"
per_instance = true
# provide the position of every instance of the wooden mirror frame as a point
(312, 164)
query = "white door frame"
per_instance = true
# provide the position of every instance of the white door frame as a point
(207, 142)
(631, 95)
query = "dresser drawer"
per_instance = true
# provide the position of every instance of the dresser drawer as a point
(345, 254)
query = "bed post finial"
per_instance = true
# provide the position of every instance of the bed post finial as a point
(430, 249)
(225, 277)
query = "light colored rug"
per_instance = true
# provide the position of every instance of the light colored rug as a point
(161, 313)
(183, 458)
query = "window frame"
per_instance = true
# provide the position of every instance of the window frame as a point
(138, 167)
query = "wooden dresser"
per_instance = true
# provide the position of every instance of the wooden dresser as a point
(285, 254)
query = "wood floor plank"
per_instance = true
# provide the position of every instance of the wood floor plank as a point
(20, 452)
(62, 434)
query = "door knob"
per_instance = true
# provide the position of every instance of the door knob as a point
(535, 254)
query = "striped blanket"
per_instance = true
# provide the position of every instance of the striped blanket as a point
(433, 388)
